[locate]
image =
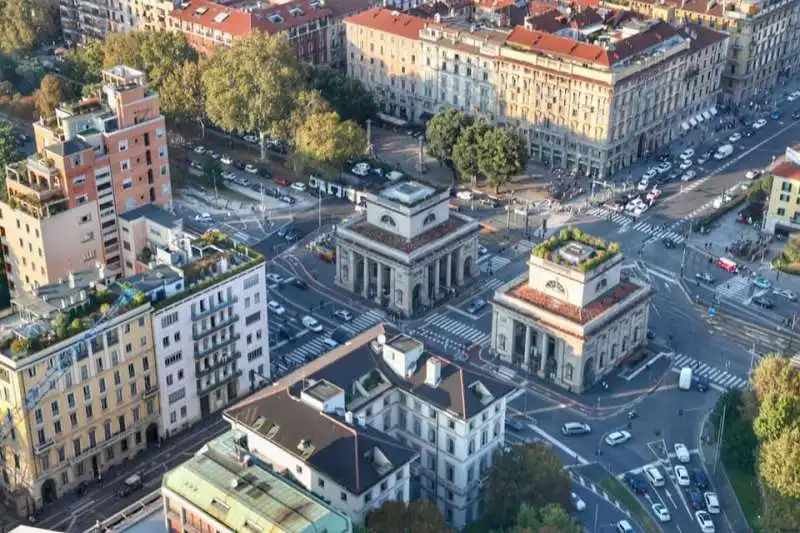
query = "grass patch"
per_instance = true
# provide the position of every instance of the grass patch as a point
(616, 489)
(747, 492)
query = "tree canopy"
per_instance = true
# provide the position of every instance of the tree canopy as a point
(51, 92)
(502, 154)
(549, 519)
(466, 151)
(779, 462)
(346, 95)
(157, 53)
(9, 148)
(394, 516)
(776, 415)
(328, 140)
(443, 131)
(85, 62)
(182, 94)
(777, 375)
(27, 24)
(251, 86)
(529, 474)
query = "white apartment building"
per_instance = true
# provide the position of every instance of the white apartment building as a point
(209, 325)
(384, 395)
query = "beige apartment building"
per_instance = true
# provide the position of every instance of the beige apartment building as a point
(81, 394)
(594, 92)
(763, 39)
(97, 157)
(149, 14)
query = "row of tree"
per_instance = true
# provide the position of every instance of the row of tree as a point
(528, 492)
(27, 24)
(474, 149)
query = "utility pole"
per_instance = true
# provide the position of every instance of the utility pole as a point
(719, 437)
(683, 258)
(319, 208)
(261, 198)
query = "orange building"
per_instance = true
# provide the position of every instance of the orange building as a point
(97, 157)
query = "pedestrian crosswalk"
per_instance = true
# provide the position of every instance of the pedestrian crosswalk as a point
(457, 330)
(608, 214)
(308, 351)
(494, 263)
(493, 284)
(737, 288)
(659, 231)
(363, 322)
(720, 377)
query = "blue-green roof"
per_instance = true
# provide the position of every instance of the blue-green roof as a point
(249, 498)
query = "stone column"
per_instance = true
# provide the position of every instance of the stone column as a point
(437, 265)
(449, 272)
(365, 288)
(379, 291)
(542, 352)
(339, 263)
(527, 355)
(494, 331)
(392, 287)
(459, 266)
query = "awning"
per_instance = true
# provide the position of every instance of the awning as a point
(693, 122)
(699, 118)
(706, 115)
(685, 126)
(713, 110)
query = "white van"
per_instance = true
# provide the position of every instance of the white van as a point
(654, 475)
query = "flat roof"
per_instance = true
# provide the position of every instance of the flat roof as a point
(407, 192)
(398, 242)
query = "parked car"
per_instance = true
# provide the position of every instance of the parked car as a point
(752, 174)
(311, 323)
(682, 476)
(617, 437)
(689, 175)
(464, 194)
(703, 159)
(344, 314)
(686, 164)
(686, 154)
(282, 181)
(226, 160)
(200, 149)
(276, 308)
(197, 165)
(760, 123)
(299, 186)
(666, 166)
(775, 115)
(636, 483)
(736, 137)
(361, 169)
(228, 176)
(250, 169)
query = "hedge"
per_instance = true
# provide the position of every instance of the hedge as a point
(708, 219)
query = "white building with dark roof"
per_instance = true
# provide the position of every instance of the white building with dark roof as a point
(350, 424)
(408, 249)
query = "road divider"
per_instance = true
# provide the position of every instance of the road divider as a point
(558, 444)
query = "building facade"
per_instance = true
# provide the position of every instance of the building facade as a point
(86, 20)
(762, 39)
(408, 249)
(415, 416)
(152, 15)
(783, 212)
(573, 317)
(220, 490)
(81, 393)
(98, 157)
(594, 91)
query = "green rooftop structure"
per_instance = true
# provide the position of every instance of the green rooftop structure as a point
(221, 486)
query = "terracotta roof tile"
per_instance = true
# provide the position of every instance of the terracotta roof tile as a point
(787, 170)
(401, 243)
(203, 13)
(701, 36)
(381, 19)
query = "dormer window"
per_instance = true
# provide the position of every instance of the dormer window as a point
(430, 218)
(389, 221)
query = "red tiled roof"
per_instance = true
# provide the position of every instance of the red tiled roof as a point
(697, 6)
(787, 170)
(389, 21)
(496, 4)
(401, 243)
(238, 23)
(572, 312)
(701, 36)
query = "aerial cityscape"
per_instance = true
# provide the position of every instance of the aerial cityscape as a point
(410, 266)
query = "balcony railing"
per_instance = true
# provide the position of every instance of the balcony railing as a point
(45, 167)
(233, 376)
(203, 372)
(43, 447)
(216, 306)
(113, 439)
(149, 392)
(199, 354)
(220, 324)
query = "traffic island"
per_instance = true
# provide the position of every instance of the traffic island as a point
(615, 489)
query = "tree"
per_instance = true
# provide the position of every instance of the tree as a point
(9, 150)
(325, 139)
(51, 93)
(442, 133)
(739, 442)
(346, 95)
(549, 519)
(775, 374)
(779, 514)
(779, 462)
(776, 415)
(182, 94)
(394, 516)
(251, 86)
(85, 63)
(531, 474)
(26, 24)
(466, 151)
(212, 170)
(157, 53)
(308, 102)
(502, 154)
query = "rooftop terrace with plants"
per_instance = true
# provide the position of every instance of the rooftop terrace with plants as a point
(592, 252)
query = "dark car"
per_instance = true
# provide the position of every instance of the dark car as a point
(700, 479)
(763, 302)
(636, 483)
(796, 115)
(748, 133)
(264, 173)
(130, 485)
(514, 425)
(300, 284)
(476, 306)
(238, 165)
(291, 236)
(701, 384)
(696, 499)
(668, 243)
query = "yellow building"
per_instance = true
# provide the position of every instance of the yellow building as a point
(78, 386)
(783, 213)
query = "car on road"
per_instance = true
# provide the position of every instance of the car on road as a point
(577, 502)
(464, 194)
(282, 231)
(775, 115)
(752, 174)
(514, 425)
(749, 133)
(636, 483)
(228, 176)
(253, 139)
(288, 199)
(668, 243)
(702, 159)
(786, 293)
(344, 314)
(623, 526)
(763, 302)
(700, 479)
(712, 502)
(666, 166)
(299, 186)
(129, 486)
(704, 521)
(762, 283)
(794, 96)
(686, 164)
(329, 342)
(760, 123)
(682, 476)
(213, 155)
(311, 323)
(204, 217)
(226, 160)
(282, 181)
(274, 278)
(276, 308)
(796, 115)
(200, 149)
(291, 236)
(482, 250)
(650, 174)
(689, 175)
(361, 169)
(476, 306)
(682, 452)
(197, 165)
(661, 512)
(640, 209)
(250, 169)
(686, 154)
(643, 185)
(675, 174)
(696, 499)
(570, 429)
(300, 284)
(617, 437)
(705, 277)
(701, 384)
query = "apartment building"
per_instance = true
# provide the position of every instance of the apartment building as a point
(304, 22)
(97, 157)
(220, 489)
(149, 14)
(763, 43)
(357, 424)
(86, 20)
(594, 91)
(209, 318)
(78, 384)
(783, 212)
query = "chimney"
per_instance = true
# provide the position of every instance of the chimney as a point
(71, 280)
(433, 372)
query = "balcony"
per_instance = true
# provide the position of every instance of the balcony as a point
(233, 376)
(214, 308)
(220, 324)
(43, 447)
(201, 373)
(149, 393)
(199, 354)
(113, 439)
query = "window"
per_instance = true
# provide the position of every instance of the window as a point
(77, 181)
(568, 371)
(389, 221)
(127, 183)
(54, 408)
(38, 415)
(298, 469)
(172, 359)
(321, 483)
(343, 496)
(125, 165)
(87, 392)
(429, 219)
(71, 400)
(449, 472)
(123, 145)
(160, 133)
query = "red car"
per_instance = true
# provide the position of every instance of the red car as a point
(281, 181)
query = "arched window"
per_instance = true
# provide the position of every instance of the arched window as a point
(569, 370)
(554, 286)
(602, 284)
(429, 219)
(389, 221)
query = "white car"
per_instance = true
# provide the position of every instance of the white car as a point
(623, 526)
(228, 176)
(650, 174)
(661, 512)
(299, 186)
(786, 293)
(345, 315)
(704, 521)
(686, 164)
(251, 139)
(686, 154)
(760, 123)
(204, 217)
(214, 155)
(275, 307)
(250, 169)
(482, 250)
(643, 185)
(666, 166)
(682, 475)
(752, 174)
(794, 96)
(639, 210)
(712, 502)
(312, 323)
(274, 278)
(464, 195)
(688, 175)
(735, 138)
(617, 437)
(361, 169)
(226, 160)
(200, 149)
(578, 502)
(682, 452)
